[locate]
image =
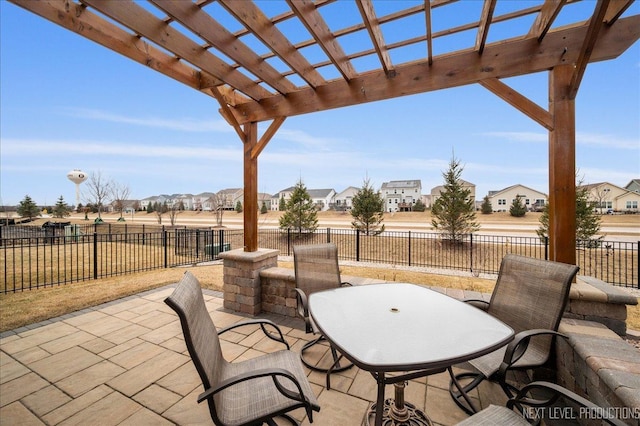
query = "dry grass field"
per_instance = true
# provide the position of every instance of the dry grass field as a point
(22, 308)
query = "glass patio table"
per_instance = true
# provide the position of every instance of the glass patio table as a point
(404, 329)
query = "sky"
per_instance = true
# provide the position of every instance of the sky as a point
(67, 103)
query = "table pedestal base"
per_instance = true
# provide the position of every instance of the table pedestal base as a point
(397, 412)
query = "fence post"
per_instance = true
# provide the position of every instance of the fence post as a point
(95, 255)
(638, 266)
(546, 248)
(221, 241)
(328, 235)
(471, 252)
(409, 248)
(288, 241)
(164, 242)
(357, 245)
(197, 242)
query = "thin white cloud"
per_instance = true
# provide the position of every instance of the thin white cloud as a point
(54, 148)
(306, 140)
(183, 125)
(591, 139)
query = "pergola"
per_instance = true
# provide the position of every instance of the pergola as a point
(264, 61)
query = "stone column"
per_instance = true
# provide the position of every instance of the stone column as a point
(242, 290)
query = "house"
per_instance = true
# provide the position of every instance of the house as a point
(322, 198)
(633, 186)
(228, 198)
(146, 202)
(263, 199)
(502, 200)
(401, 195)
(185, 199)
(608, 197)
(203, 201)
(436, 191)
(275, 200)
(344, 200)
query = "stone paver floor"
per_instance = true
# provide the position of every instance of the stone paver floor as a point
(125, 363)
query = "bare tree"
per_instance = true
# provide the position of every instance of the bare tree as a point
(119, 193)
(218, 202)
(174, 211)
(601, 195)
(98, 189)
(161, 210)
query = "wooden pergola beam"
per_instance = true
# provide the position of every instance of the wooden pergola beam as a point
(214, 33)
(485, 23)
(308, 14)
(519, 101)
(375, 33)
(562, 167)
(508, 59)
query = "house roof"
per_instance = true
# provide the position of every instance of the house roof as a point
(402, 184)
(320, 193)
(508, 188)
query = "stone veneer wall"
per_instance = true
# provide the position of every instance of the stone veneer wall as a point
(594, 300)
(242, 286)
(598, 364)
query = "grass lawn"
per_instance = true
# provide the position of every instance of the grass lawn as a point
(28, 307)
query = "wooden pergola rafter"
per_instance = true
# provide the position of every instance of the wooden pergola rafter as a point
(244, 54)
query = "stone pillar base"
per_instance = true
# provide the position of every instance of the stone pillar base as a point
(241, 270)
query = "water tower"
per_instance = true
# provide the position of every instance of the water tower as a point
(77, 176)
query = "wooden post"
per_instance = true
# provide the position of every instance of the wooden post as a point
(250, 208)
(562, 167)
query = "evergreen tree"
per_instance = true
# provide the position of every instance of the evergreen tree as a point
(587, 221)
(517, 208)
(300, 212)
(486, 207)
(367, 210)
(263, 209)
(27, 208)
(283, 204)
(238, 207)
(454, 211)
(61, 209)
(419, 206)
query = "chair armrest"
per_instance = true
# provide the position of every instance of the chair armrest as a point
(274, 373)
(518, 346)
(592, 410)
(346, 284)
(303, 309)
(263, 325)
(478, 303)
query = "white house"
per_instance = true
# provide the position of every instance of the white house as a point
(228, 198)
(608, 196)
(400, 195)
(436, 191)
(344, 200)
(502, 200)
(275, 200)
(322, 198)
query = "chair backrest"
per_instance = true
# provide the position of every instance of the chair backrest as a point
(200, 334)
(316, 267)
(531, 293)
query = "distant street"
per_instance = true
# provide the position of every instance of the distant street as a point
(628, 231)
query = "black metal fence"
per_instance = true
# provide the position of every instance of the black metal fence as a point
(33, 257)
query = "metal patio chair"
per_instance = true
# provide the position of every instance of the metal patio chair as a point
(316, 269)
(536, 402)
(250, 392)
(530, 296)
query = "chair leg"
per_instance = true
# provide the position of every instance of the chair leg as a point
(460, 393)
(336, 367)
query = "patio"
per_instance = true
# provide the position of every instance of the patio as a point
(125, 362)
